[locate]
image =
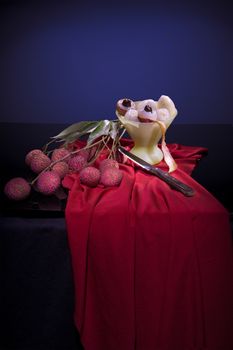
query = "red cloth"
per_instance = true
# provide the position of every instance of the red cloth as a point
(153, 269)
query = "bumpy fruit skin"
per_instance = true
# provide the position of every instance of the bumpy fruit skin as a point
(77, 163)
(17, 189)
(84, 153)
(61, 168)
(31, 154)
(111, 177)
(90, 176)
(108, 163)
(48, 182)
(60, 153)
(39, 162)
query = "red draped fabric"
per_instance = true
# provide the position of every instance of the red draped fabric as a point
(153, 269)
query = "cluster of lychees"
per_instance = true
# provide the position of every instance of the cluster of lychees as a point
(51, 171)
(108, 174)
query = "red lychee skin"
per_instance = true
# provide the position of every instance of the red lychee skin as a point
(31, 154)
(17, 189)
(60, 153)
(61, 168)
(108, 163)
(145, 120)
(77, 163)
(84, 153)
(111, 177)
(39, 162)
(48, 182)
(90, 176)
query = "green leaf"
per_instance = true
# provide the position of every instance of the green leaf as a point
(83, 127)
(102, 129)
(72, 137)
(114, 128)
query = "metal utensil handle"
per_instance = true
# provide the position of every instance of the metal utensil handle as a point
(173, 182)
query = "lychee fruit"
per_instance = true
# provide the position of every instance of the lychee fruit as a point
(84, 153)
(61, 168)
(48, 182)
(17, 189)
(39, 162)
(60, 153)
(31, 154)
(77, 163)
(108, 163)
(90, 176)
(111, 177)
(124, 105)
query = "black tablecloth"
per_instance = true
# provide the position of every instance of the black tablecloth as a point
(37, 295)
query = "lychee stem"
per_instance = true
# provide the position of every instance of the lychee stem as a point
(116, 143)
(100, 148)
(44, 148)
(106, 144)
(112, 151)
(122, 134)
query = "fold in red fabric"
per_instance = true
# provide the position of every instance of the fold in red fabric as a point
(153, 269)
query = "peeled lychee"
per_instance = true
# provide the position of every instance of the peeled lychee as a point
(77, 163)
(31, 154)
(124, 105)
(90, 176)
(17, 189)
(108, 163)
(61, 168)
(48, 182)
(39, 162)
(111, 177)
(60, 153)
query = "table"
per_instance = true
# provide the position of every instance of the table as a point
(36, 294)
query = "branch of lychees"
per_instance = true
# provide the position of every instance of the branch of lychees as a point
(108, 138)
(64, 158)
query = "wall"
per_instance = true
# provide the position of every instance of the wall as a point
(64, 61)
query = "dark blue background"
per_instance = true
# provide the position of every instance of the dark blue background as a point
(64, 61)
